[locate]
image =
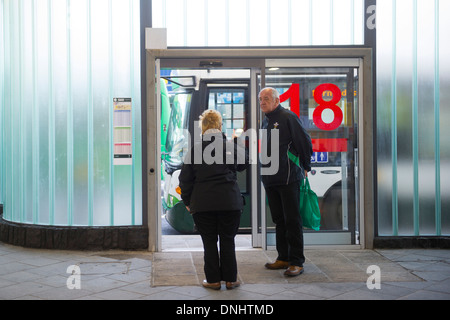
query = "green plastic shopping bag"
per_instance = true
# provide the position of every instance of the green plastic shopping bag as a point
(309, 206)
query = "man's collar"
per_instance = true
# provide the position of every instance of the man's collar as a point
(269, 114)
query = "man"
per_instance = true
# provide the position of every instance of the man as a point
(283, 188)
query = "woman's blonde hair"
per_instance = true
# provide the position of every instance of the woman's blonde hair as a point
(210, 119)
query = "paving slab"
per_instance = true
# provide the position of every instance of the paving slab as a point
(330, 273)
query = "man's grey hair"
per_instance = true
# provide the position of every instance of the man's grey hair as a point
(275, 93)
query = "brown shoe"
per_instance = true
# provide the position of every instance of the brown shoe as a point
(214, 285)
(293, 271)
(278, 264)
(232, 285)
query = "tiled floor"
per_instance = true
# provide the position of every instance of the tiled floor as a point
(176, 274)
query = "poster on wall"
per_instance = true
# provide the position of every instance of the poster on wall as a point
(123, 131)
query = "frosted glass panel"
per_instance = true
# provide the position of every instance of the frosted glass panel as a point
(260, 23)
(280, 19)
(217, 20)
(79, 82)
(27, 112)
(100, 118)
(412, 115)
(301, 23)
(404, 56)
(258, 19)
(321, 22)
(238, 25)
(425, 117)
(386, 114)
(59, 112)
(444, 115)
(2, 95)
(65, 62)
(195, 35)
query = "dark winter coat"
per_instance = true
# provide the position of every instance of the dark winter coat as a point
(207, 186)
(294, 143)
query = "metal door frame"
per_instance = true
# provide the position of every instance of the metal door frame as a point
(235, 57)
(320, 238)
(254, 66)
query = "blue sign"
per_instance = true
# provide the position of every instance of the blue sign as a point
(319, 157)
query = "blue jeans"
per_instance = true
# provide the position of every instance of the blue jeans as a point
(284, 203)
(212, 226)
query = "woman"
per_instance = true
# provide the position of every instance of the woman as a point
(211, 194)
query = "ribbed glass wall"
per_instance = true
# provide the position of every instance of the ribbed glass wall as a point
(260, 22)
(413, 116)
(2, 95)
(71, 152)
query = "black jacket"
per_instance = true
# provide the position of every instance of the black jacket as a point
(294, 143)
(213, 187)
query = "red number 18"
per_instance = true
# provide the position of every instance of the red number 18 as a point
(293, 93)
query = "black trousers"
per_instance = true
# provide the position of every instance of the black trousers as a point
(223, 226)
(284, 204)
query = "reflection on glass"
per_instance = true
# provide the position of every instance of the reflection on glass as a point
(176, 139)
(230, 103)
(335, 90)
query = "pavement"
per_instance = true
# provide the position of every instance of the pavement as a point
(177, 273)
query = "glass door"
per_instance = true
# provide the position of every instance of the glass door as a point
(186, 90)
(325, 96)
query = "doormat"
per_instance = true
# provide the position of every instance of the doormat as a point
(321, 266)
